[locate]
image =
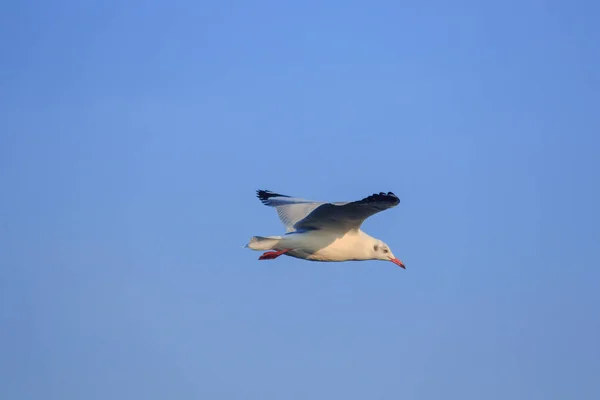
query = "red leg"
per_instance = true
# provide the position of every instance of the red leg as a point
(271, 255)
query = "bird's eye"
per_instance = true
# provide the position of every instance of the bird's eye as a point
(385, 250)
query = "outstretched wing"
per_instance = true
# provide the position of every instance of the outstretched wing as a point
(346, 216)
(290, 209)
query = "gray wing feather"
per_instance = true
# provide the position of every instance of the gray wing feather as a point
(298, 214)
(289, 209)
(347, 216)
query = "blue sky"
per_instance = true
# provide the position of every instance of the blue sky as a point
(133, 137)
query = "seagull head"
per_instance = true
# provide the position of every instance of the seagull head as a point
(381, 251)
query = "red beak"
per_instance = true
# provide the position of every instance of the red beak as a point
(398, 262)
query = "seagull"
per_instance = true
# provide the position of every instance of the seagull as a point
(322, 231)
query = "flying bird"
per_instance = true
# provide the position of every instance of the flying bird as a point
(321, 231)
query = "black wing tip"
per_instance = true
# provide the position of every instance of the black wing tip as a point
(383, 197)
(265, 195)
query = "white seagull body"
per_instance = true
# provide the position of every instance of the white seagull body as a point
(320, 231)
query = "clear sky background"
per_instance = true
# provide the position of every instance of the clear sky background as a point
(133, 136)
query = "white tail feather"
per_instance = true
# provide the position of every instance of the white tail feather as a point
(263, 243)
